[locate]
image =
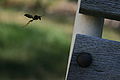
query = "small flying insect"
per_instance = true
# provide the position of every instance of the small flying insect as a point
(35, 17)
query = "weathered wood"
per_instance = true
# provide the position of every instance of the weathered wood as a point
(101, 8)
(106, 59)
(87, 25)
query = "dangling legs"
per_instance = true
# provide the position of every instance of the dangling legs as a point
(29, 22)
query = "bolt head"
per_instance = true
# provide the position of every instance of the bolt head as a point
(84, 59)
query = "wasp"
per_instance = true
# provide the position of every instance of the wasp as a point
(35, 17)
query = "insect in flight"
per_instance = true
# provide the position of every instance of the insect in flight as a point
(35, 17)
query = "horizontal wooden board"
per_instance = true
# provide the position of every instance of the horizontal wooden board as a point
(105, 55)
(101, 8)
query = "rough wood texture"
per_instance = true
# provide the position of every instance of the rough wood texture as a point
(106, 59)
(101, 8)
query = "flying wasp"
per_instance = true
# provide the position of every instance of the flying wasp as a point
(35, 17)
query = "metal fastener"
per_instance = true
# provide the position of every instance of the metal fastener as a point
(84, 59)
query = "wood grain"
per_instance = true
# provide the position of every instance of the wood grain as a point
(106, 59)
(101, 8)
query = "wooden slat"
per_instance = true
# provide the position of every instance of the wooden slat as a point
(101, 8)
(106, 59)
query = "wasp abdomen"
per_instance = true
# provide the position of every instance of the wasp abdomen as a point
(28, 15)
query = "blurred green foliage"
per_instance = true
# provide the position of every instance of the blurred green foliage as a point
(73, 0)
(29, 5)
(37, 51)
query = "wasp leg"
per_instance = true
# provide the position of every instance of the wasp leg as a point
(29, 22)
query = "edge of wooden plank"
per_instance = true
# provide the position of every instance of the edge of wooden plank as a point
(101, 8)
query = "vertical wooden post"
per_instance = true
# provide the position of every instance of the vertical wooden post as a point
(84, 24)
